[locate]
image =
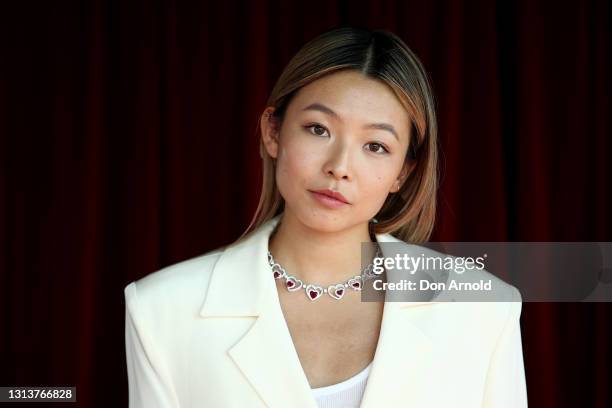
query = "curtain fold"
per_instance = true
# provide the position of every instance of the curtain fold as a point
(128, 142)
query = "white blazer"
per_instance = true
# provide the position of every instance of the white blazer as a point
(210, 332)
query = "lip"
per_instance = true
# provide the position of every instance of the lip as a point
(329, 198)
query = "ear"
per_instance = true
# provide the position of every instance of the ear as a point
(270, 131)
(404, 173)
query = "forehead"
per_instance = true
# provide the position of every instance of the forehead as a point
(354, 97)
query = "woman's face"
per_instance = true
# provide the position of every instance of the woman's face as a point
(346, 133)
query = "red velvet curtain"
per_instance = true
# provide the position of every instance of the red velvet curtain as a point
(128, 142)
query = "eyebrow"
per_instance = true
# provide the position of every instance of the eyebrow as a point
(324, 109)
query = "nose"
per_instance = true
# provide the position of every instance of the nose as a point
(338, 164)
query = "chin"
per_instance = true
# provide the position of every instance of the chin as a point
(327, 222)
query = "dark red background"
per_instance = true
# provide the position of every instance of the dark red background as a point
(128, 142)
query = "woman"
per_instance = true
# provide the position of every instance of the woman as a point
(348, 141)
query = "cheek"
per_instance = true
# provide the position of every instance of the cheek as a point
(377, 181)
(378, 173)
(300, 154)
(295, 165)
(378, 185)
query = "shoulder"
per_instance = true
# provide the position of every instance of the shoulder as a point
(477, 292)
(496, 302)
(475, 301)
(178, 286)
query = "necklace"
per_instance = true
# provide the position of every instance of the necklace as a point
(313, 291)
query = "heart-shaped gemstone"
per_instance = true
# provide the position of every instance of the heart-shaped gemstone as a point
(277, 271)
(355, 283)
(314, 292)
(293, 284)
(336, 291)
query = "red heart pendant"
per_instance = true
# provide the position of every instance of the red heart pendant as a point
(277, 271)
(336, 291)
(293, 284)
(355, 282)
(314, 292)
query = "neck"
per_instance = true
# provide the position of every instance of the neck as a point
(318, 257)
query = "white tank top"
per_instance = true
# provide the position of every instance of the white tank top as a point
(346, 394)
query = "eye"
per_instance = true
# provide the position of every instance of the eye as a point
(317, 129)
(377, 148)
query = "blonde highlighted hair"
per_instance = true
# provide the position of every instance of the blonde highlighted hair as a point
(410, 213)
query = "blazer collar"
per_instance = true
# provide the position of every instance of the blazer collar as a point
(242, 285)
(241, 279)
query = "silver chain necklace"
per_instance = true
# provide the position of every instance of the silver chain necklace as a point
(313, 291)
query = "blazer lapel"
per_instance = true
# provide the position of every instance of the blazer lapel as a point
(242, 286)
(403, 360)
(269, 361)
